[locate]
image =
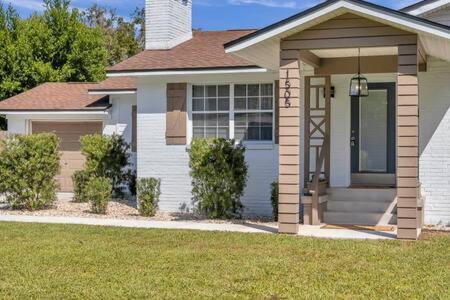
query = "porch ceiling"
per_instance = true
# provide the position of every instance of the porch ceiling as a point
(263, 47)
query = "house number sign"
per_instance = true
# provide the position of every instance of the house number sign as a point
(287, 91)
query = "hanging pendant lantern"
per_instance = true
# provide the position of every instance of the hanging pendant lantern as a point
(359, 86)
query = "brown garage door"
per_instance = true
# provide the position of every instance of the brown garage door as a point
(71, 157)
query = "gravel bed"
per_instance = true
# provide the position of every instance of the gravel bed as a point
(120, 209)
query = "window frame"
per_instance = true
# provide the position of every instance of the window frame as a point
(210, 112)
(232, 111)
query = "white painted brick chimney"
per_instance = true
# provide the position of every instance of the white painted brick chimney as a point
(167, 23)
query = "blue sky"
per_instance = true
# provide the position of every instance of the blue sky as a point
(214, 14)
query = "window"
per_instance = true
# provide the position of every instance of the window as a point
(251, 106)
(253, 112)
(211, 111)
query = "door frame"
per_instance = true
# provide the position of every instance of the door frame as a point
(391, 129)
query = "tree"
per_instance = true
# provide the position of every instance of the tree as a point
(55, 46)
(119, 35)
(138, 18)
(63, 44)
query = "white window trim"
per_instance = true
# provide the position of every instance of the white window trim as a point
(251, 145)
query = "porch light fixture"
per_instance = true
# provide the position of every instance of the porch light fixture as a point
(359, 86)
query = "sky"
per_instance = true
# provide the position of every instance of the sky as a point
(213, 14)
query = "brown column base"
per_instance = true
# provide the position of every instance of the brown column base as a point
(408, 233)
(410, 229)
(287, 222)
(288, 228)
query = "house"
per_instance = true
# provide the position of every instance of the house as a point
(283, 91)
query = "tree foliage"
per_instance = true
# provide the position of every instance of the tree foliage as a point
(120, 37)
(53, 46)
(219, 177)
(62, 44)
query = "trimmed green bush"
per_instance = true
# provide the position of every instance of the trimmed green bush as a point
(28, 166)
(80, 180)
(107, 156)
(219, 177)
(98, 190)
(148, 192)
(274, 199)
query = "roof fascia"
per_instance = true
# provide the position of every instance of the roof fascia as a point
(347, 5)
(186, 72)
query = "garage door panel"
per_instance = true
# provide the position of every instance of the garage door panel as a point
(71, 146)
(71, 157)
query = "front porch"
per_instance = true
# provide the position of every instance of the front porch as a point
(368, 148)
(324, 42)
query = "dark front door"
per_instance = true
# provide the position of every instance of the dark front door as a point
(373, 131)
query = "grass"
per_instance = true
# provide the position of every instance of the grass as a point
(69, 261)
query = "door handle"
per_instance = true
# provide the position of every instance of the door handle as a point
(353, 141)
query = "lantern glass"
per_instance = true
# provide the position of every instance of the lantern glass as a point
(359, 86)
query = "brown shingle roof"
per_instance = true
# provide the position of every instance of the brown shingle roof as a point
(204, 50)
(115, 84)
(56, 96)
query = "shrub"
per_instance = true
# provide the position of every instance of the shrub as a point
(219, 177)
(274, 199)
(80, 180)
(148, 192)
(98, 190)
(107, 156)
(28, 166)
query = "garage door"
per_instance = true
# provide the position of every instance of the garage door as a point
(71, 157)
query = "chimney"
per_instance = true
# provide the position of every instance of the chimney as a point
(168, 23)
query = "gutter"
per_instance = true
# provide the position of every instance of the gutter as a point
(203, 71)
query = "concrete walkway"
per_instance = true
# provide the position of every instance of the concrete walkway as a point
(310, 231)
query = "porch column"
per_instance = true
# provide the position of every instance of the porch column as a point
(289, 149)
(408, 219)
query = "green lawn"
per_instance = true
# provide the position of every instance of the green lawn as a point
(58, 261)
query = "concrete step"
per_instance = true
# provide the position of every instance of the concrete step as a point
(360, 218)
(358, 206)
(362, 194)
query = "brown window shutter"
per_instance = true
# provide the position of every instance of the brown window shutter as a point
(134, 128)
(277, 111)
(176, 114)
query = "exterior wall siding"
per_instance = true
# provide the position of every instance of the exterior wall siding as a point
(434, 135)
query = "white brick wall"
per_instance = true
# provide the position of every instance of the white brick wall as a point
(155, 158)
(435, 141)
(171, 163)
(168, 23)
